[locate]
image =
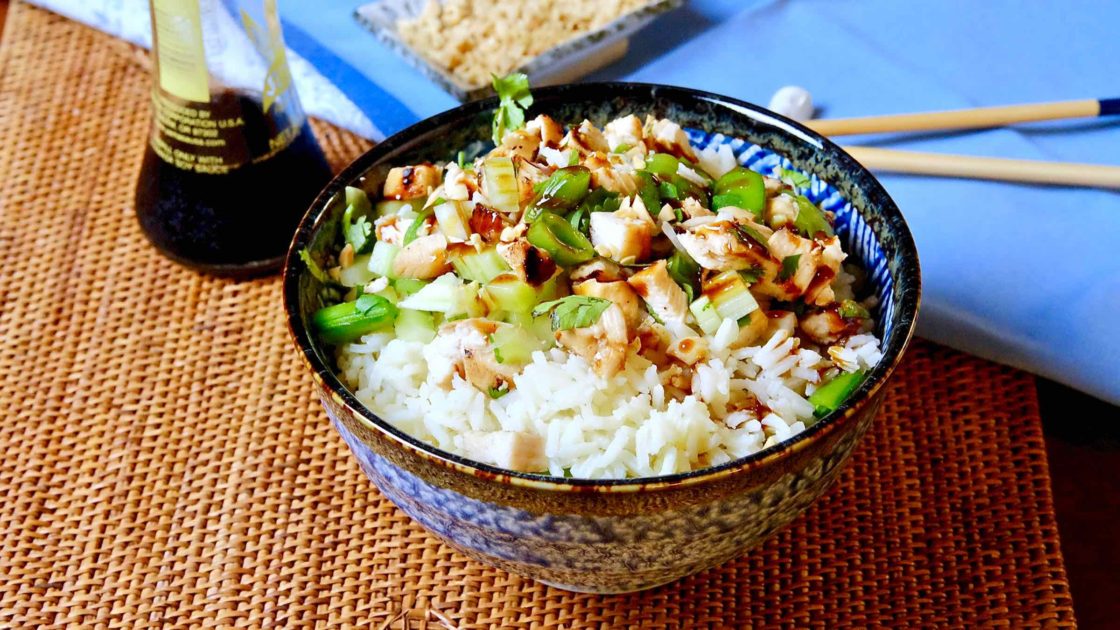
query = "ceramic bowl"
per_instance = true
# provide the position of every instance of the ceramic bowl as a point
(621, 535)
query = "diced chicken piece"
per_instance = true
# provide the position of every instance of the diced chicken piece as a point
(825, 327)
(488, 224)
(721, 246)
(829, 256)
(599, 269)
(603, 344)
(784, 244)
(423, 258)
(511, 450)
(780, 320)
(621, 238)
(754, 329)
(529, 174)
(667, 136)
(455, 183)
(773, 186)
(586, 138)
(411, 182)
(611, 177)
(653, 342)
(520, 143)
(618, 292)
(817, 264)
(692, 209)
(471, 355)
(664, 297)
(529, 263)
(390, 229)
(623, 131)
(690, 350)
(781, 211)
(548, 130)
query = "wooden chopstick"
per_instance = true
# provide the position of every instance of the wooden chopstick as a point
(967, 118)
(971, 167)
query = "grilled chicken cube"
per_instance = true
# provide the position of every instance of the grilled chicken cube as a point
(665, 298)
(623, 131)
(825, 327)
(455, 184)
(622, 238)
(423, 258)
(618, 292)
(752, 331)
(781, 211)
(548, 130)
(721, 245)
(817, 264)
(610, 176)
(829, 255)
(520, 143)
(529, 174)
(411, 182)
(690, 350)
(529, 263)
(512, 450)
(472, 357)
(586, 138)
(599, 269)
(667, 136)
(603, 344)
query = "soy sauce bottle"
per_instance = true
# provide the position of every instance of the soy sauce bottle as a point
(230, 168)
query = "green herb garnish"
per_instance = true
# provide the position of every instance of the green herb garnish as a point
(312, 266)
(513, 99)
(789, 267)
(498, 392)
(414, 229)
(850, 309)
(574, 311)
(794, 178)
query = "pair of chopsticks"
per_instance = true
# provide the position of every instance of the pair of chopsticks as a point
(1029, 171)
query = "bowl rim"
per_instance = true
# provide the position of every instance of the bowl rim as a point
(906, 308)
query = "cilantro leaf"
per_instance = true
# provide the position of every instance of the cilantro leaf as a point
(498, 392)
(513, 99)
(750, 276)
(312, 266)
(574, 311)
(789, 267)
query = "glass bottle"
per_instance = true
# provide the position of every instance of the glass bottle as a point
(231, 165)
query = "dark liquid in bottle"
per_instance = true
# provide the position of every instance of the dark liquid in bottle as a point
(237, 224)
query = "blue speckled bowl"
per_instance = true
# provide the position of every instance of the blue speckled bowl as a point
(620, 535)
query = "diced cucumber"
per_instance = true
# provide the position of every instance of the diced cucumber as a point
(408, 286)
(358, 199)
(510, 293)
(481, 266)
(381, 260)
(513, 344)
(453, 221)
(445, 294)
(393, 206)
(500, 184)
(707, 317)
(415, 325)
(358, 273)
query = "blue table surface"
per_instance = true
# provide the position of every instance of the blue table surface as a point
(1025, 275)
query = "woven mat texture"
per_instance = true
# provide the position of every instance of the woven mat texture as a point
(165, 462)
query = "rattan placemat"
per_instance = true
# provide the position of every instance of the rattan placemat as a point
(165, 463)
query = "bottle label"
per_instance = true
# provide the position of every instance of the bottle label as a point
(201, 132)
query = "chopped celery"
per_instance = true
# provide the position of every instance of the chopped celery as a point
(510, 293)
(481, 266)
(415, 325)
(707, 317)
(345, 322)
(358, 273)
(381, 260)
(810, 219)
(453, 220)
(513, 344)
(730, 296)
(408, 286)
(828, 397)
(500, 184)
(446, 294)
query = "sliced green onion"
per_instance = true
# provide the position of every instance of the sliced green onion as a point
(500, 181)
(415, 326)
(740, 188)
(564, 189)
(730, 295)
(828, 397)
(810, 219)
(480, 266)
(662, 165)
(510, 293)
(381, 260)
(648, 192)
(566, 245)
(348, 321)
(706, 315)
(414, 228)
